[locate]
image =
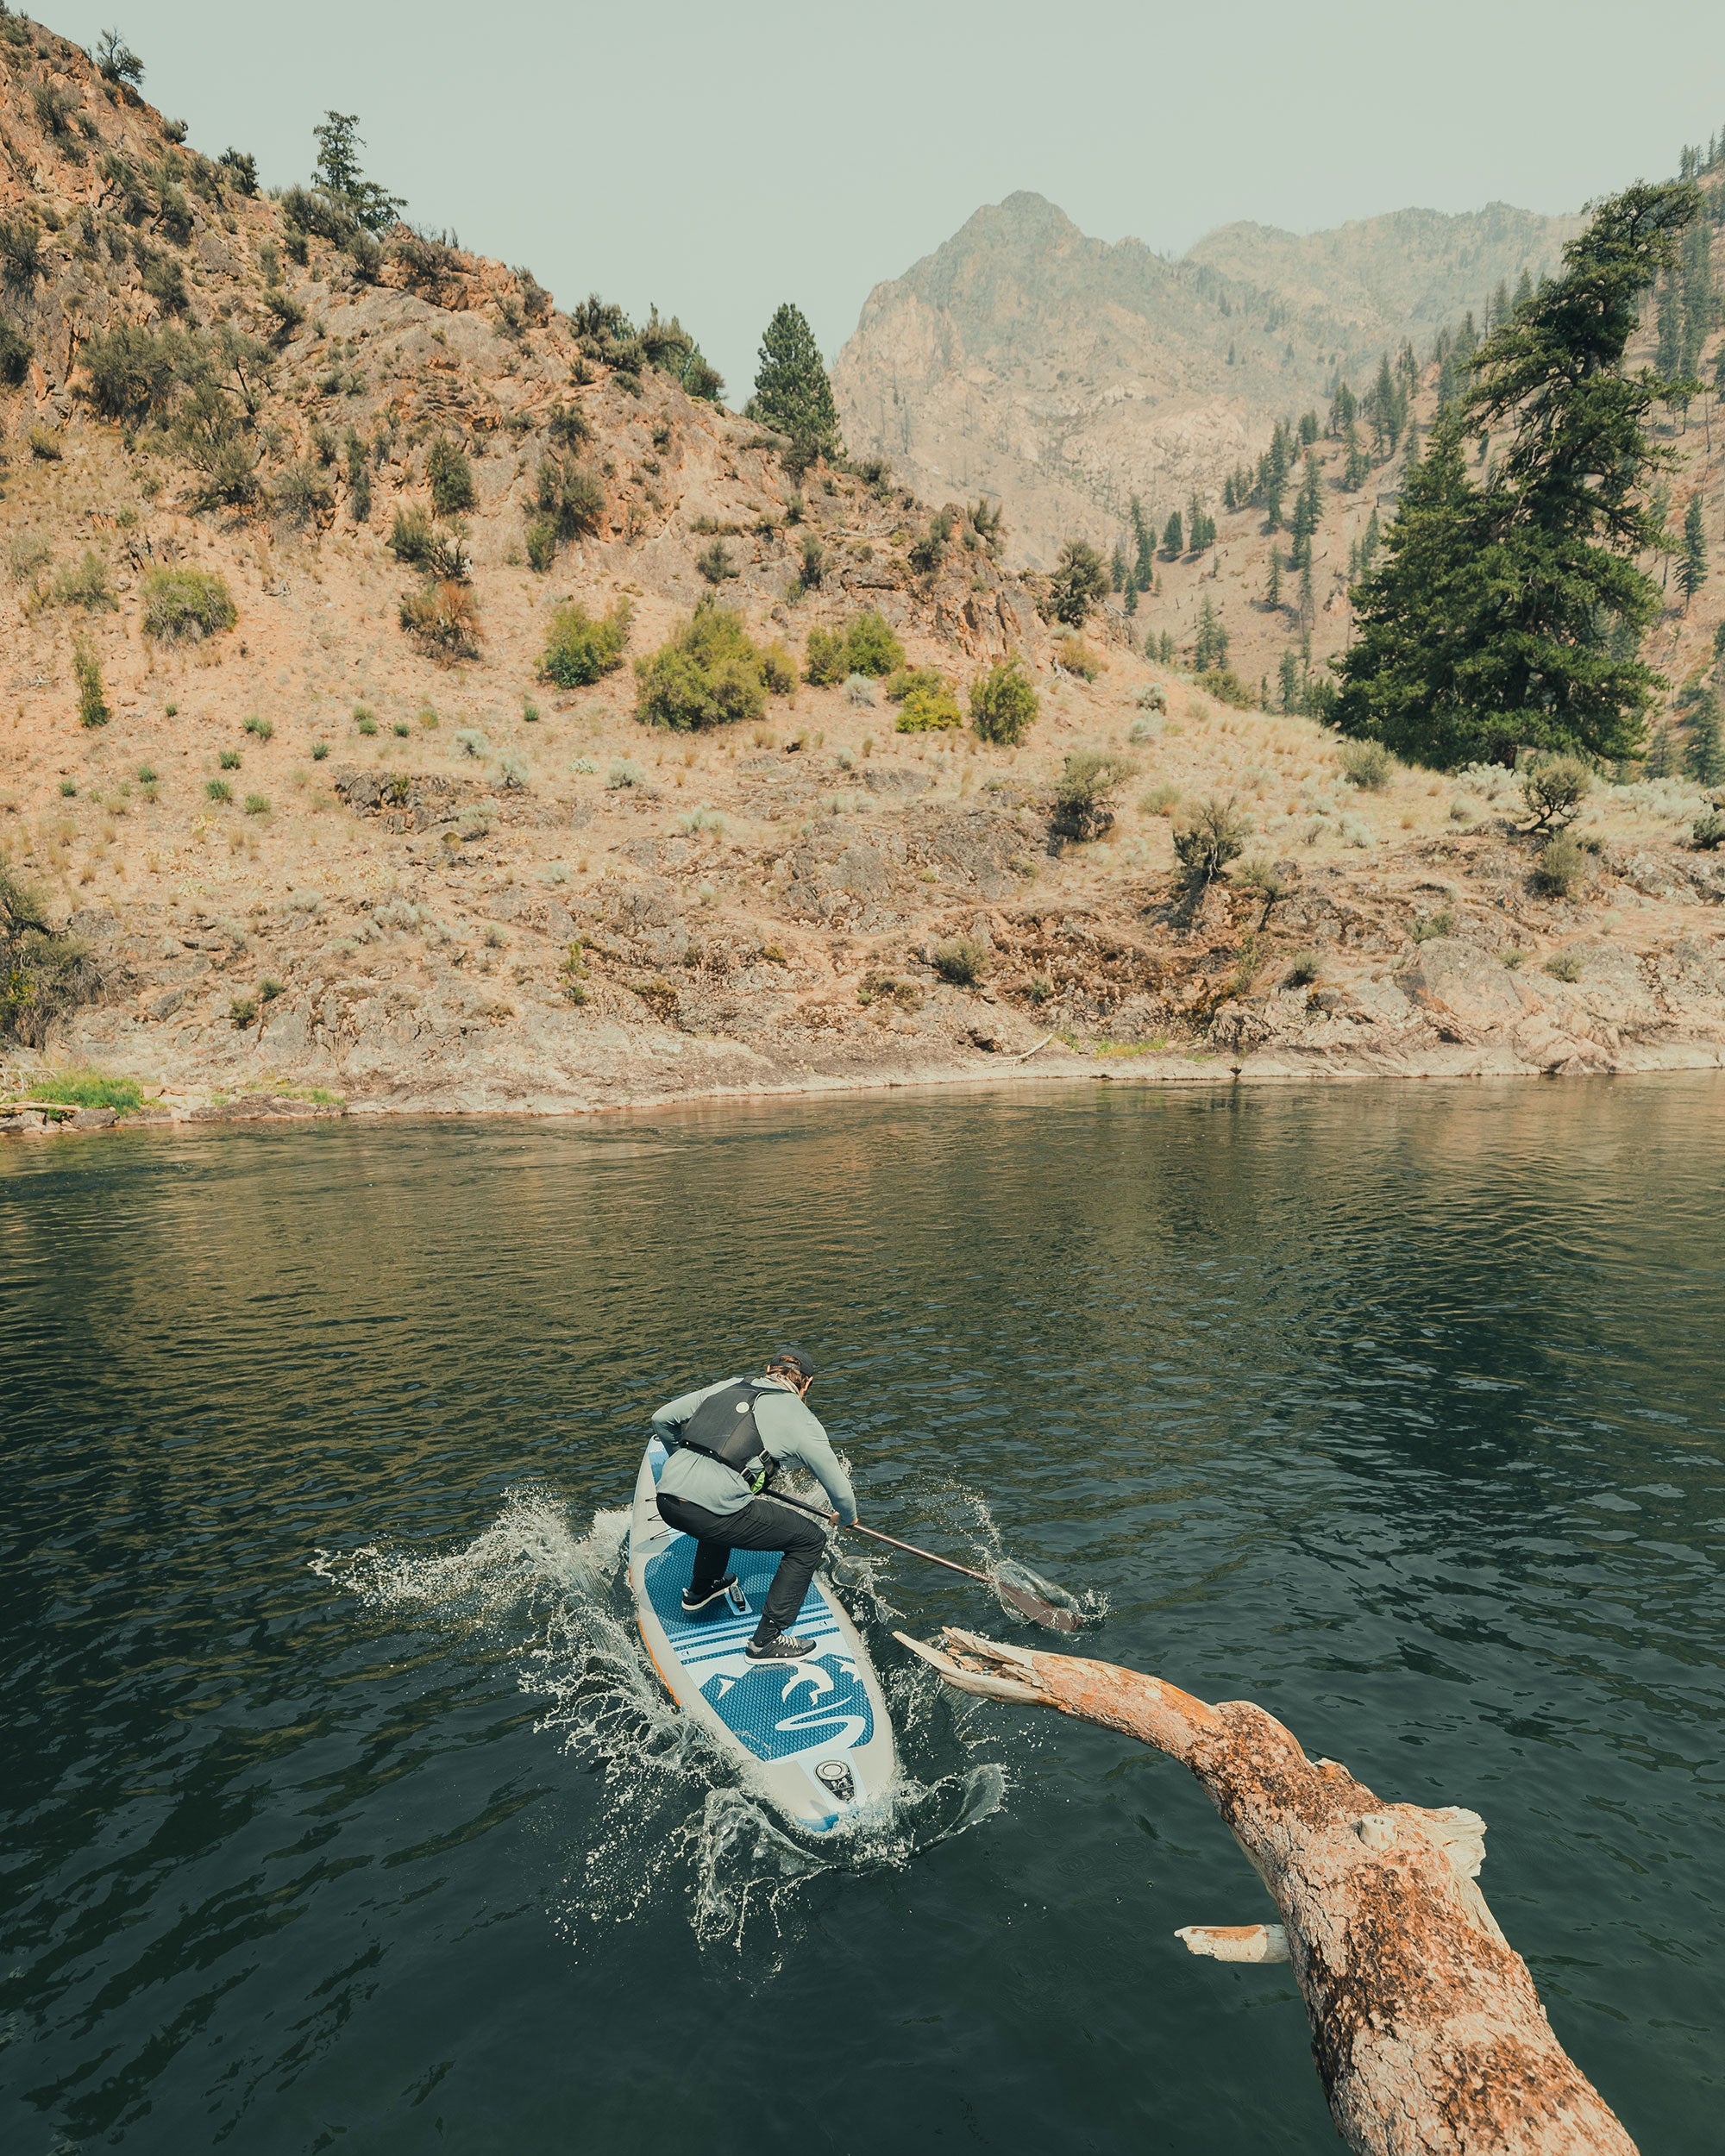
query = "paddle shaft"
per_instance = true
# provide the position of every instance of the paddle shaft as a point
(893, 1542)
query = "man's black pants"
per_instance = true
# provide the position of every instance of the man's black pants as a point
(761, 1525)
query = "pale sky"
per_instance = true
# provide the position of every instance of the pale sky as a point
(720, 160)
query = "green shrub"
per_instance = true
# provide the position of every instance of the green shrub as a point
(414, 540)
(15, 356)
(450, 478)
(570, 497)
(1706, 834)
(257, 805)
(624, 772)
(259, 727)
(1366, 764)
(1081, 806)
(927, 701)
(363, 721)
(1561, 866)
(871, 647)
(1303, 968)
(715, 563)
(1004, 703)
(43, 973)
(710, 674)
(45, 445)
(541, 538)
(218, 790)
(1226, 686)
(241, 1011)
(228, 759)
(580, 650)
(186, 606)
(963, 961)
(1564, 967)
(778, 669)
(1554, 788)
(319, 750)
(1216, 835)
(86, 585)
(93, 707)
(826, 658)
(1159, 801)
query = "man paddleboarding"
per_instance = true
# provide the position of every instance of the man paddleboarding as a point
(727, 1443)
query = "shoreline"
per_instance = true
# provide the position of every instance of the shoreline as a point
(1120, 1068)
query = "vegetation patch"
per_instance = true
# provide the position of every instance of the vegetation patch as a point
(581, 650)
(710, 674)
(43, 972)
(442, 620)
(88, 1089)
(186, 606)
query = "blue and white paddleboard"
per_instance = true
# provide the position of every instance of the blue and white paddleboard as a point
(814, 1736)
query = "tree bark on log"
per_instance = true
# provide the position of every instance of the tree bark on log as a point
(1428, 2035)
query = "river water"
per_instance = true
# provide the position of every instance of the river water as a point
(341, 1810)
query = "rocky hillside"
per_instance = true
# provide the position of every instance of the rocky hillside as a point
(1062, 375)
(296, 810)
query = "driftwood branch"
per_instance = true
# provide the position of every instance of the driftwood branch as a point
(1428, 2035)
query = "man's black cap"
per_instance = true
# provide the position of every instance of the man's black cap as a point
(795, 1356)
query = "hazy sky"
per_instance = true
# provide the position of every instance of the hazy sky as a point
(718, 160)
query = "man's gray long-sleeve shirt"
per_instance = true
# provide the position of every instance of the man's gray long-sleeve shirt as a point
(787, 1429)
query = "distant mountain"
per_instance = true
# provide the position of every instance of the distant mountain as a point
(1027, 360)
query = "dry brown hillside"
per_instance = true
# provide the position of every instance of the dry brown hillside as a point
(302, 853)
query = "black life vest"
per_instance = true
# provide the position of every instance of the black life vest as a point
(722, 1428)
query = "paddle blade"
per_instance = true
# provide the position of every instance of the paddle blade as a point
(1038, 1611)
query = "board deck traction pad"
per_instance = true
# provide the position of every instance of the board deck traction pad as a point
(815, 1731)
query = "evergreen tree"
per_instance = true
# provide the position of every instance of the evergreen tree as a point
(1210, 651)
(1661, 755)
(1488, 626)
(1289, 679)
(1692, 570)
(792, 392)
(1369, 543)
(1272, 590)
(1308, 604)
(1668, 354)
(1358, 468)
(1704, 752)
(1117, 571)
(1144, 531)
(1524, 291)
(338, 174)
(1307, 512)
(1173, 539)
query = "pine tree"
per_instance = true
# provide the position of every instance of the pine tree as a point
(1272, 590)
(1210, 652)
(1357, 469)
(1668, 354)
(1524, 291)
(1307, 511)
(1704, 752)
(1662, 754)
(1173, 539)
(338, 174)
(1144, 531)
(1288, 677)
(1488, 626)
(1692, 570)
(1370, 542)
(1308, 604)
(792, 392)
(1117, 571)
(1165, 648)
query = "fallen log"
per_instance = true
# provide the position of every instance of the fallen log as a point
(1428, 2035)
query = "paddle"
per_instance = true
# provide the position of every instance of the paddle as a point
(1034, 1607)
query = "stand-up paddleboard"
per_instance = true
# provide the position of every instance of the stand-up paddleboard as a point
(814, 1735)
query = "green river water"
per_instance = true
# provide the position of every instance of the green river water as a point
(341, 1809)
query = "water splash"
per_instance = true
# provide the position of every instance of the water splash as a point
(558, 1599)
(968, 1512)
